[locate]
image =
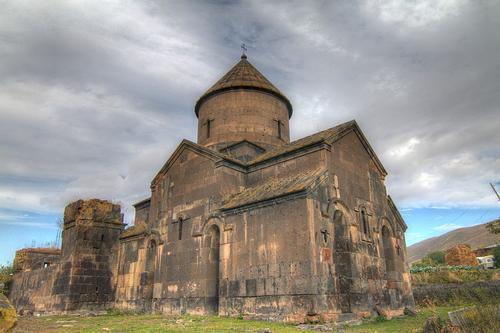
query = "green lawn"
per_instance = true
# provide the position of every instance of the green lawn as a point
(158, 323)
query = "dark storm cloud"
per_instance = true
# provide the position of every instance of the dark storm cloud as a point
(95, 95)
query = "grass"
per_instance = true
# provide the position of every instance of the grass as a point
(145, 323)
(402, 324)
(158, 323)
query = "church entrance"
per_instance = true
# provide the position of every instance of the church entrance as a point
(213, 244)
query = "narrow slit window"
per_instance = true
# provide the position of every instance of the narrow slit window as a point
(364, 221)
(180, 228)
(209, 125)
(278, 127)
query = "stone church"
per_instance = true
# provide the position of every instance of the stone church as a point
(244, 222)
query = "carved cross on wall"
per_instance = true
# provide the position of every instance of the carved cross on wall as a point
(180, 221)
(325, 235)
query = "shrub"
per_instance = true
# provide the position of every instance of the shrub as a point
(6, 272)
(496, 255)
(480, 319)
(437, 257)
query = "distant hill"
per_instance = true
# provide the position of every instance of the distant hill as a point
(476, 236)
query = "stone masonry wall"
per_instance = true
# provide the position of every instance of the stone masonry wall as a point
(83, 279)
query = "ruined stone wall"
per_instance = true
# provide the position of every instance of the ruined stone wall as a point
(83, 279)
(130, 293)
(35, 258)
(32, 291)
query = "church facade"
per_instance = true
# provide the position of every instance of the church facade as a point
(243, 222)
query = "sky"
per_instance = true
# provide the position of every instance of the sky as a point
(96, 95)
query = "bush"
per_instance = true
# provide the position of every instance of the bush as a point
(496, 255)
(479, 319)
(452, 274)
(6, 272)
(436, 257)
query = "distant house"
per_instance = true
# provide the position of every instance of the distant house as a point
(487, 261)
(485, 251)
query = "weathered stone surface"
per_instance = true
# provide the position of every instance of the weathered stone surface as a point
(242, 223)
(80, 279)
(460, 255)
(34, 258)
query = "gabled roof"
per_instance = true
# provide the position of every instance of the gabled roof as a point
(330, 135)
(186, 144)
(242, 142)
(243, 75)
(273, 188)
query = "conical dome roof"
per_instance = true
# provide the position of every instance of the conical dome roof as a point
(243, 76)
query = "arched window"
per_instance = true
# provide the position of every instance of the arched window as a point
(388, 252)
(212, 273)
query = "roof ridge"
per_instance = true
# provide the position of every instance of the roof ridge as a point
(296, 144)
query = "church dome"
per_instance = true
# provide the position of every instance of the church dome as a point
(243, 106)
(243, 76)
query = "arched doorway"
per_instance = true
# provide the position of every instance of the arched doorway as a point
(213, 246)
(343, 260)
(389, 258)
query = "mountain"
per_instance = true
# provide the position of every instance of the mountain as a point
(476, 236)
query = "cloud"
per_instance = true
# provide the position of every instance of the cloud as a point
(405, 148)
(96, 95)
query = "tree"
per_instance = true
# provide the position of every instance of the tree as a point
(496, 255)
(494, 226)
(437, 257)
(6, 272)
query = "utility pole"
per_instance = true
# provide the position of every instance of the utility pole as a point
(494, 190)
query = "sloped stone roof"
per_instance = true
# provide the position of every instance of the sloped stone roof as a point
(328, 134)
(243, 75)
(273, 188)
(134, 230)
